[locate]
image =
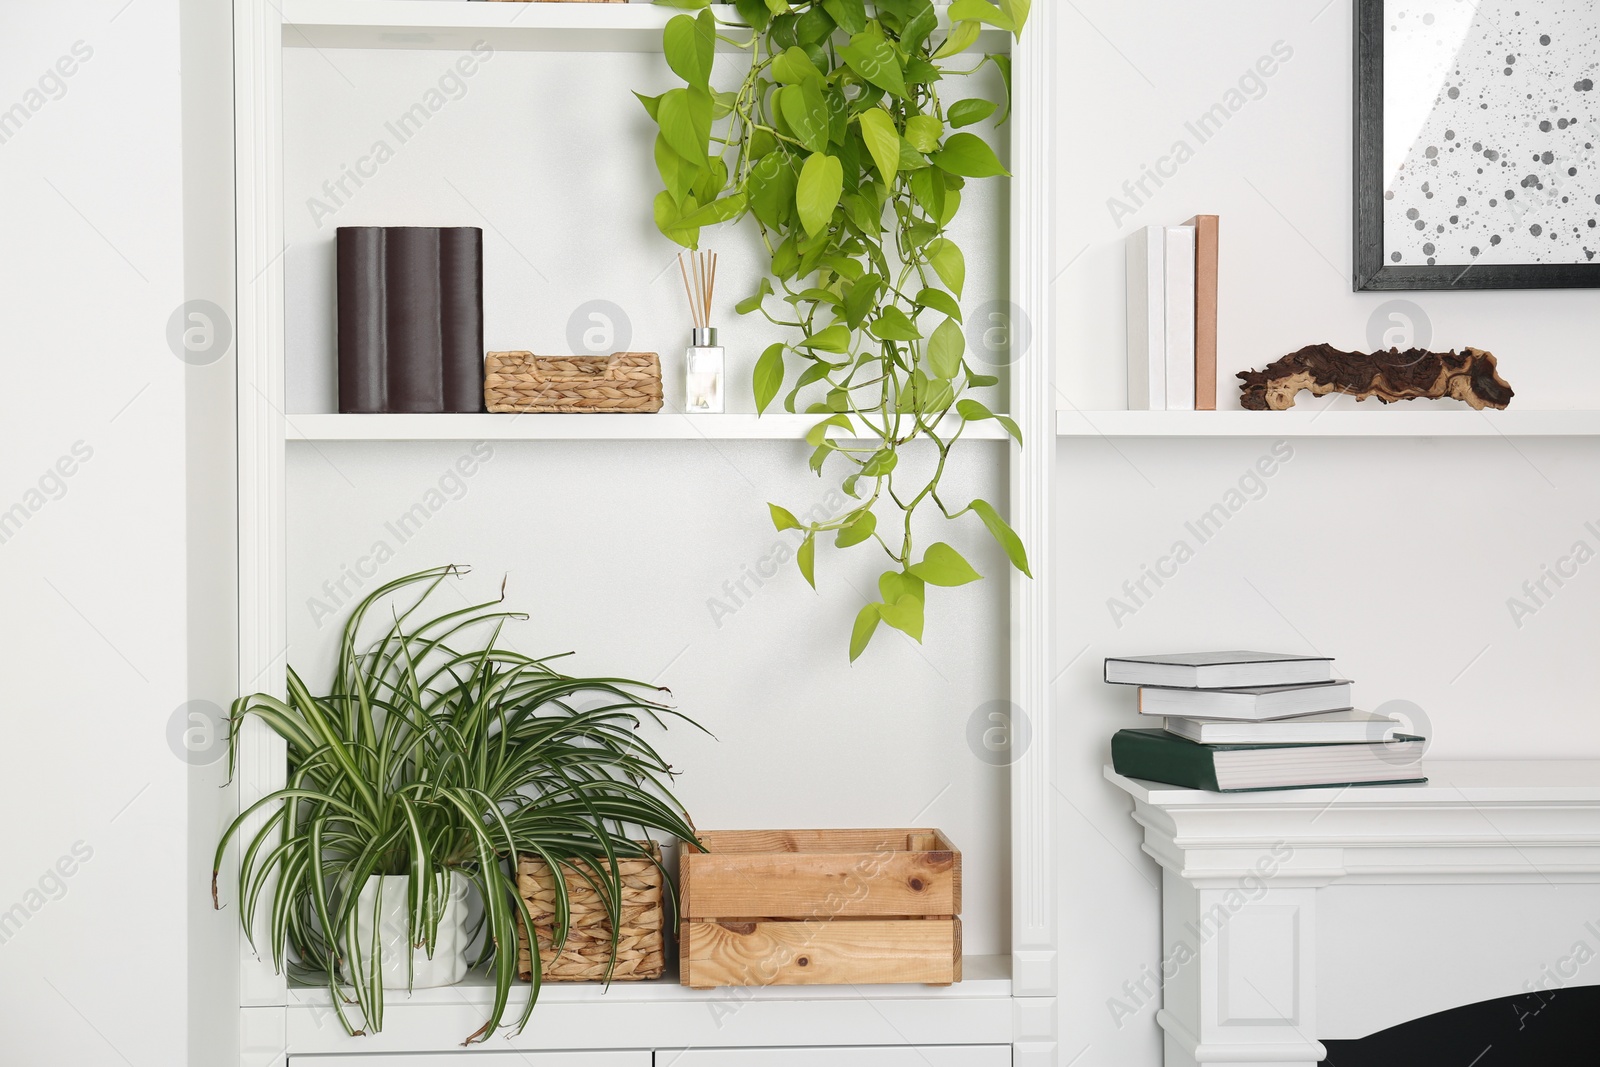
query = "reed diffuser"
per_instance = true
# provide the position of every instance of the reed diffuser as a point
(704, 368)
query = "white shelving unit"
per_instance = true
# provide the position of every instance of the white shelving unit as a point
(447, 24)
(1393, 421)
(1006, 1002)
(978, 1011)
(660, 427)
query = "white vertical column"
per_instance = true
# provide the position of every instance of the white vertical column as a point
(1238, 970)
(1033, 933)
(258, 43)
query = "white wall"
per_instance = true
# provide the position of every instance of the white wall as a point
(1395, 556)
(93, 578)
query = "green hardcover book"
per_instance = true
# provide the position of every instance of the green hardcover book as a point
(1158, 756)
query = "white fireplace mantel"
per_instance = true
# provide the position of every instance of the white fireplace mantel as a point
(1294, 915)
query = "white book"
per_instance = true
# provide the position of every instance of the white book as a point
(1147, 317)
(1250, 704)
(1179, 303)
(1325, 728)
(1218, 670)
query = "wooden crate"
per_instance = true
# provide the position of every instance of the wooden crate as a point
(820, 907)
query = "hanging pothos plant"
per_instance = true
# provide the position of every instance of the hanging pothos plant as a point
(839, 145)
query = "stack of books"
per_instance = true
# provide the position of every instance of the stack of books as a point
(410, 319)
(1172, 317)
(1238, 721)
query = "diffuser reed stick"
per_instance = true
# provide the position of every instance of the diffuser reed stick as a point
(701, 291)
(704, 368)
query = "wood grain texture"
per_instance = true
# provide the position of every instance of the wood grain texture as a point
(872, 840)
(844, 952)
(821, 875)
(1469, 375)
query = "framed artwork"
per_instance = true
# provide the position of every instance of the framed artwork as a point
(1477, 144)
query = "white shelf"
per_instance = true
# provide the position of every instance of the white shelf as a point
(1393, 421)
(977, 1010)
(1464, 783)
(459, 24)
(663, 426)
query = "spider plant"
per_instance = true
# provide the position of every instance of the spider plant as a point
(435, 755)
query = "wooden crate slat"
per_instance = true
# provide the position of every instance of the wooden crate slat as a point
(873, 840)
(854, 952)
(820, 907)
(790, 885)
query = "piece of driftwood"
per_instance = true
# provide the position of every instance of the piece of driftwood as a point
(1416, 373)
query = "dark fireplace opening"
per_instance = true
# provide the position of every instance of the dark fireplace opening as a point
(1552, 1028)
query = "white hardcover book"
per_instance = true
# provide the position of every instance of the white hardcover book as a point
(1250, 704)
(1179, 333)
(1218, 670)
(1325, 728)
(1147, 317)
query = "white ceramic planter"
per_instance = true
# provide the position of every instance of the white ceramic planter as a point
(404, 965)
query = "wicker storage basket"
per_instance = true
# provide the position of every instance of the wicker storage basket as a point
(524, 382)
(587, 953)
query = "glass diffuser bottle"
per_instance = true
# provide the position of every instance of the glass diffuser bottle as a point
(705, 363)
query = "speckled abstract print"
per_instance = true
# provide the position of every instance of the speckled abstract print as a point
(1490, 127)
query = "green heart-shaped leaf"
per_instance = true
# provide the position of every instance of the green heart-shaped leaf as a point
(792, 66)
(970, 156)
(939, 300)
(962, 36)
(943, 565)
(768, 376)
(690, 46)
(859, 530)
(892, 324)
(835, 338)
(883, 142)
(806, 558)
(783, 519)
(948, 263)
(771, 187)
(817, 195)
(1003, 533)
(805, 110)
(946, 348)
(874, 59)
(924, 131)
(866, 625)
(969, 112)
(851, 15)
(685, 117)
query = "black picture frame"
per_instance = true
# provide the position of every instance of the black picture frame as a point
(1372, 273)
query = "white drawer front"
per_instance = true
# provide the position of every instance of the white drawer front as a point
(929, 1056)
(480, 1059)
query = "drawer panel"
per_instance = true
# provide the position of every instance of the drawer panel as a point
(927, 1056)
(480, 1059)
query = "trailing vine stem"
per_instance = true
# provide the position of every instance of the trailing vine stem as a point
(838, 144)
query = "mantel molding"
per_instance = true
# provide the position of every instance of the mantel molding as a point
(1472, 823)
(1243, 910)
